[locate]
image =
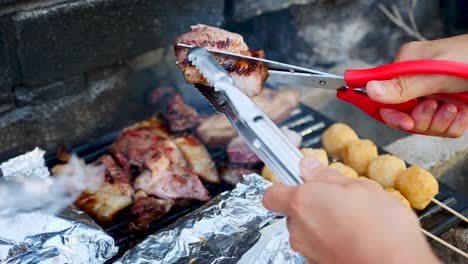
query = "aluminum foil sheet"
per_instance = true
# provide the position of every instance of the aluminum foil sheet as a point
(30, 235)
(222, 231)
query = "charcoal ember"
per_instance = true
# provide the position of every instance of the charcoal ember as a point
(180, 116)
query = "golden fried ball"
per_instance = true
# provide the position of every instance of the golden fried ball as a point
(320, 154)
(367, 179)
(343, 169)
(384, 170)
(398, 195)
(359, 154)
(269, 176)
(418, 186)
(336, 137)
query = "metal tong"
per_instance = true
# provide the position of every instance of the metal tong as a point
(251, 123)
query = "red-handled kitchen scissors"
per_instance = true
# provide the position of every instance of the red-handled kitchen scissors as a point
(351, 86)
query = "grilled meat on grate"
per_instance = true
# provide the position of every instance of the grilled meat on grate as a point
(180, 116)
(249, 77)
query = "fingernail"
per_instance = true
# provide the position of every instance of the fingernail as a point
(378, 88)
(310, 163)
(450, 111)
(429, 109)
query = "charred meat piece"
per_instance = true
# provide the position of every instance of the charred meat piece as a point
(249, 77)
(113, 171)
(148, 209)
(239, 152)
(107, 201)
(140, 141)
(198, 158)
(180, 116)
(233, 175)
(216, 131)
(166, 180)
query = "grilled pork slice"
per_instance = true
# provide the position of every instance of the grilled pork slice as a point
(180, 116)
(107, 201)
(216, 131)
(114, 172)
(239, 152)
(148, 209)
(198, 158)
(166, 180)
(140, 142)
(249, 77)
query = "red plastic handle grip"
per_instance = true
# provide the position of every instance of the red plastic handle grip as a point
(359, 79)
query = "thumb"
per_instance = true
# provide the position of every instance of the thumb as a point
(404, 88)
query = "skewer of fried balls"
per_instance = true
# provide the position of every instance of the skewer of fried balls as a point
(358, 159)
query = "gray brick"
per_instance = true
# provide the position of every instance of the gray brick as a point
(7, 102)
(37, 95)
(101, 108)
(8, 61)
(60, 41)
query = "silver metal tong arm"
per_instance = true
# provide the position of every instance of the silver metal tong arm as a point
(252, 124)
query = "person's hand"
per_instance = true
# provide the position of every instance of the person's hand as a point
(430, 117)
(334, 219)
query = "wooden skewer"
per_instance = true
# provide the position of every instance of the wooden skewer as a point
(464, 254)
(439, 203)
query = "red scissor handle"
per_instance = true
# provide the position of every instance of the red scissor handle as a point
(359, 79)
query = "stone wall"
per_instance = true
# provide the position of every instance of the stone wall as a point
(73, 70)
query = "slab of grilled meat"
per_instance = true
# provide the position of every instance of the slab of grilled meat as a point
(198, 158)
(147, 209)
(180, 116)
(165, 179)
(113, 195)
(249, 77)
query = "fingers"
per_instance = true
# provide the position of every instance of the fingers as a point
(459, 124)
(442, 119)
(429, 119)
(404, 88)
(313, 171)
(277, 198)
(422, 115)
(396, 119)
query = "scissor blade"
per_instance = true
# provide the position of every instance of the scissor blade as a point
(272, 65)
(307, 80)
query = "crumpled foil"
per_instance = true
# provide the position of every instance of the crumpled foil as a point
(39, 237)
(225, 230)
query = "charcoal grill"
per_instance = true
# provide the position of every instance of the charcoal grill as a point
(311, 125)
